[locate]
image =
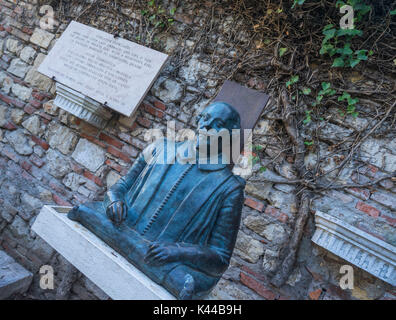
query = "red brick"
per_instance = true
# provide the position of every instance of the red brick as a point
(360, 193)
(369, 170)
(113, 165)
(93, 140)
(253, 273)
(27, 176)
(144, 122)
(257, 287)
(86, 128)
(20, 34)
(314, 295)
(93, 178)
(77, 168)
(153, 111)
(259, 206)
(10, 154)
(159, 105)
(109, 140)
(60, 202)
(10, 126)
(364, 207)
(27, 30)
(38, 162)
(276, 213)
(123, 156)
(26, 165)
(390, 220)
(57, 187)
(45, 116)
(39, 96)
(29, 109)
(35, 103)
(40, 142)
(12, 101)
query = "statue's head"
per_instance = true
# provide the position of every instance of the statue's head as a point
(217, 119)
(219, 115)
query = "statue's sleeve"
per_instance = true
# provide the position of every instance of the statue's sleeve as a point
(117, 191)
(214, 258)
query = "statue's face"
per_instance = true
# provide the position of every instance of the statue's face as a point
(216, 117)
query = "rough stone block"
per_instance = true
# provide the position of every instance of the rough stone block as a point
(18, 68)
(13, 277)
(89, 155)
(42, 38)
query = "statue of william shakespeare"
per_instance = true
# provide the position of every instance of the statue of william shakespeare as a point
(175, 215)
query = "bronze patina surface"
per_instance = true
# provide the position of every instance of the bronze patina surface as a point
(175, 219)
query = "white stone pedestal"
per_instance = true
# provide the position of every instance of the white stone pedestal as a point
(101, 264)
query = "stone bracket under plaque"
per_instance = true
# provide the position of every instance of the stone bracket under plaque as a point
(81, 106)
(356, 246)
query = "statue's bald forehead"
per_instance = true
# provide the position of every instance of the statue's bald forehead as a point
(224, 111)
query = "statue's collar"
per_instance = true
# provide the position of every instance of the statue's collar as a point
(185, 154)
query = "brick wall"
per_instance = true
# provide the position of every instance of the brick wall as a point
(41, 162)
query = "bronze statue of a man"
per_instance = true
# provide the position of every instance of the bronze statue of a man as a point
(175, 219)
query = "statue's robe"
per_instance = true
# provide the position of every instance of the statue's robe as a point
(197, 206)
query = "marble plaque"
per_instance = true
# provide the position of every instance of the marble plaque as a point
(113, 71)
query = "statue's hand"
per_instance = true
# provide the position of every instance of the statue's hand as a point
(160, 253)
(116, 212)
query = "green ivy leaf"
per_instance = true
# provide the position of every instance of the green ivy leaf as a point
(306, 91)
(361, 54)
(299, 2)
(338, 62)
(308, 143)
(172, 11)
(344, 96)
(393, 12)
(262, 169)
(292, 80)
(326, 85)
(329, 34)
(354, 62)
(258, 148)
(255, 160)
(352, 101)
(349, 32)
(282, 51)
(332, 92)
(346, 50)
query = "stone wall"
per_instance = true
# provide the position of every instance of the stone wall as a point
(48, 156)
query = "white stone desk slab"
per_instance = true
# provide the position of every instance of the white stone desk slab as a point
(95, 259)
